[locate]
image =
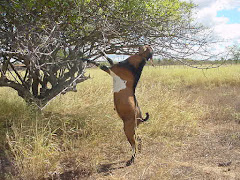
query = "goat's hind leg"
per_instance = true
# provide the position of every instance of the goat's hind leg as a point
(129, 129)
(139, 144)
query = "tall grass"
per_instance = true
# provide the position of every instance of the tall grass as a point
(77, 131)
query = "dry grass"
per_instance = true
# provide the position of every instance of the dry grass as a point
(79, 135)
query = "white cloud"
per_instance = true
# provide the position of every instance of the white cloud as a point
(207, 15)
(203, 3)
(217, 4)
(228, 31)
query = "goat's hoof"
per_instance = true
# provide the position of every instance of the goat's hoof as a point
(129, 162)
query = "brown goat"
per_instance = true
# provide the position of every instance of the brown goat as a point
(126, 75)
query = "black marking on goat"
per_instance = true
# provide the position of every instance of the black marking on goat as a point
(127, 65)
(135, 71)
(138, 74)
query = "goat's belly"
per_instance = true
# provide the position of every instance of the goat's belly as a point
(124, 104)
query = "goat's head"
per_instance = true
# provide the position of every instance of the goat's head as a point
(146, 52)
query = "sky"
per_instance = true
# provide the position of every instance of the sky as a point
(222, 16)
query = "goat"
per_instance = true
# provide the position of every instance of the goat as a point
(126, 75)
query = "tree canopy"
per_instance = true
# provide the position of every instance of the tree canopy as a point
(234, 52)
(50, 39)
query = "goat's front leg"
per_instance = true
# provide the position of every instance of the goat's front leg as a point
(110, 61)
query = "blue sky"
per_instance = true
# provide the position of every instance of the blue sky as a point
(233, 15)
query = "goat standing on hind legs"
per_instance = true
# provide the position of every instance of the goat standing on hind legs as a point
(126, 75)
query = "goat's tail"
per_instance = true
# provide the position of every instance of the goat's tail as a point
(146, 118)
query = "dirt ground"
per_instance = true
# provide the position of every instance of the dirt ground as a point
(213, 154)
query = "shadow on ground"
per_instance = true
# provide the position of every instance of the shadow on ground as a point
(109, 167)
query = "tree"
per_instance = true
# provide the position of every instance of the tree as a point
(234, 52)
(51, 39)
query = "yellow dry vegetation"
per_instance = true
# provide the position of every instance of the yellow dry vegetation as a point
(79, 135)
